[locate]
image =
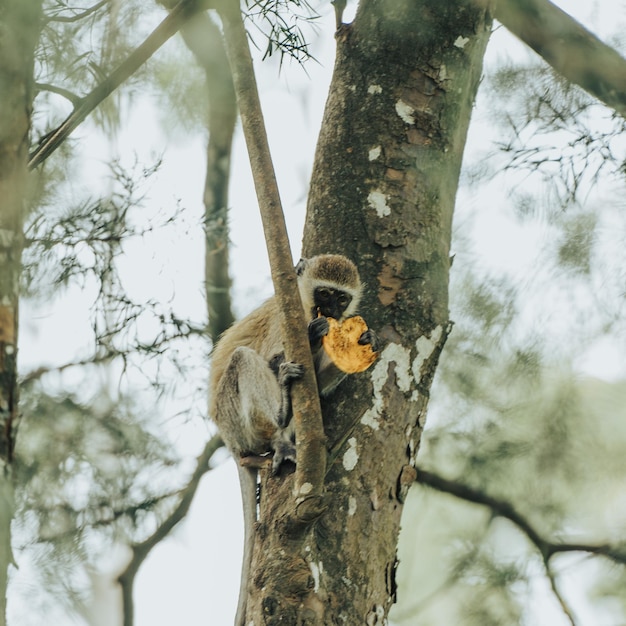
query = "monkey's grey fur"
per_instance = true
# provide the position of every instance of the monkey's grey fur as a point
(250, 380)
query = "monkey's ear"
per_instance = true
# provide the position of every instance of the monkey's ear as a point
(300, 267)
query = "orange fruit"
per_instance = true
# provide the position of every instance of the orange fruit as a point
(343, 347)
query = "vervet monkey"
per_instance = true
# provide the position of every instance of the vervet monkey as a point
(250, 379)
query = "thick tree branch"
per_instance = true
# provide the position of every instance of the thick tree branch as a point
(310, 437)
(204, 39)
(568, 47)
(168, 27)
(141, 550)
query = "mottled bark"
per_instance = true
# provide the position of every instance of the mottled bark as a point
(382, 192)
(19, 32)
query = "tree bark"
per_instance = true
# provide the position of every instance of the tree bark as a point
(382, 192)
(19, 33)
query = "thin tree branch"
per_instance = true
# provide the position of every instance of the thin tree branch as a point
(76, 17)
(565, 607)
(155, 347)
(505, 509)
(36, 374)
(114, 516)
(168, 27)
(310, 438)
(572, 50)
(141, 550)
(60, 91)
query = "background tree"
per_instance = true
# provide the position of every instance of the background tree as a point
(20, 29)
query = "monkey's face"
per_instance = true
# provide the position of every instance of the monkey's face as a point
(330, 302)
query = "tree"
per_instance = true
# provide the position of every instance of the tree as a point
(20, 30)
(395, 121)
(383, 192)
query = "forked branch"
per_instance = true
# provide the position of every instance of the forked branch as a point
(502, 508)
(141, 550)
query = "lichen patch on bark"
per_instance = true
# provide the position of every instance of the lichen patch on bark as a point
(351, 455)
(405, 111)
(377, 200)
(425, 347)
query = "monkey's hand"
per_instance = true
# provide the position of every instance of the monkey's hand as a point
(318, 328)
(371, 338)
(288, 371)
(283, 451)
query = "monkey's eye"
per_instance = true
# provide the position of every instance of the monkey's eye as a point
(323, 294)
(343, 300)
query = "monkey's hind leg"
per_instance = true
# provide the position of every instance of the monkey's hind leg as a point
(248, 403)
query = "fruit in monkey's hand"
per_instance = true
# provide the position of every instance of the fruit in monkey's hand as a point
(343, 347)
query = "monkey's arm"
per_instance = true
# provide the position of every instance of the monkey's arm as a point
(286, 372)
(318, 329)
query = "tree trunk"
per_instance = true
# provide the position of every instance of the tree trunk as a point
(19, 32)
(204, 39)
(383, 191)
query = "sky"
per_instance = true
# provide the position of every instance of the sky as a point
(195, 572)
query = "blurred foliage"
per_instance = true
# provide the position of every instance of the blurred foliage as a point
(85, 245)
(92, 475)
(511, 413)
(79, 47)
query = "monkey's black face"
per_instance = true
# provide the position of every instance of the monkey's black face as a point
(330, 302)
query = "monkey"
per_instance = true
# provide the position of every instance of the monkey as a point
(250, 379)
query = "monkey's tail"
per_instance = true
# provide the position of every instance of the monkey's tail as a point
(247, 482)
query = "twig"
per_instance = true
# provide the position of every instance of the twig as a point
(36, 374)
(111, 353)
(141, 550)
(557, 593)
(76, 17)
(168, 27)
(310, 437)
